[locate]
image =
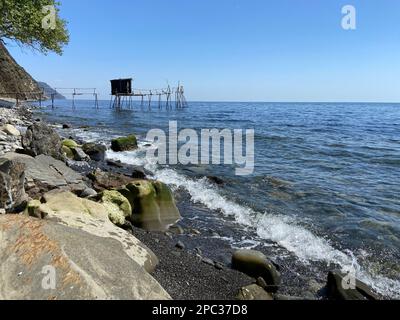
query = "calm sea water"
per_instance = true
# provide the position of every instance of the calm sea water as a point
(326, 184)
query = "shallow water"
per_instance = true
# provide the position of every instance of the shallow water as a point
(326, 185)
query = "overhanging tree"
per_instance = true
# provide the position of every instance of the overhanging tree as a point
(22, 21)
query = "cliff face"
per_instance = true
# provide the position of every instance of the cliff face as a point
(14, 79)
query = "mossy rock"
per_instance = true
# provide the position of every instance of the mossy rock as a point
(68, 152)
(124, 143)
(117, 205)
(70, 143)
(154, 206)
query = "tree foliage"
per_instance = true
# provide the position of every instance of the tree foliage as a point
(21, 21)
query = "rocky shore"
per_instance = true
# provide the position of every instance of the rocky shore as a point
(109, 230)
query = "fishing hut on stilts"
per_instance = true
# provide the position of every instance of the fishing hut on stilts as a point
(123, 94)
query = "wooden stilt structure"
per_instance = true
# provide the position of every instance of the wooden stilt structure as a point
(122, 95)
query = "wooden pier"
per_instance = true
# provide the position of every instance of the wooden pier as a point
(73, 92)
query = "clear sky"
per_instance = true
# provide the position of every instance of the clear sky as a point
(231, 50)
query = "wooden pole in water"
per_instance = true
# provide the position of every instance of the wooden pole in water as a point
(150, 99)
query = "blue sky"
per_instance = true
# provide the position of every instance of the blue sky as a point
(229, 50)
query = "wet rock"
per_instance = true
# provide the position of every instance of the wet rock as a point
(216, 180)
(11, 130)
(180, 245)
(255, 264)
(66, 126)
(92, 217)
(108, 180)
(153, 204)
(339, 288)
(42, 139)
(12, 185)
(253, 292)
(116, 163)
(124, 144)
(86, 266)
(96, 152)
(138, 173)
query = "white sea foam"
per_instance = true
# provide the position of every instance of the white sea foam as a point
(280, 229)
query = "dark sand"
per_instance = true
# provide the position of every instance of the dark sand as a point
(183, 274)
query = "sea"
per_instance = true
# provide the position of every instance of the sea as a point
(324, 193)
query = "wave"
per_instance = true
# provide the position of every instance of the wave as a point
(283, 230)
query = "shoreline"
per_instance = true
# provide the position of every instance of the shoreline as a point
(196, 265)
(181, 272)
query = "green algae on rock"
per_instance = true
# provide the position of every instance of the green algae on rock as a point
(124, 143)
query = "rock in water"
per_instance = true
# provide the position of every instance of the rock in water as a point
(12, 185)
(153, 205)
(253, 292)
(44, 260)
(42, 139)
(255, 264)
(340, 288)
(124, 144)
(96, 152)
(91, 217)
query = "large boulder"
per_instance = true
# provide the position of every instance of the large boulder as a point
(339, 287)
(45, 260)
(45, 173)
(255, 264)
(12, 185)
(42, 139)
(96, 152)
(107, 180)
(92, 217)
(124, 143)
(153, 204)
